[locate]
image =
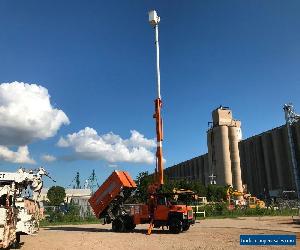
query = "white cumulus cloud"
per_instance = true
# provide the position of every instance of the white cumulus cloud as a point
(26, 114)
(19, 156)
(87, 144)
(48, 158)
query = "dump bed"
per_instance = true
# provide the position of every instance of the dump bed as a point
(117, 182)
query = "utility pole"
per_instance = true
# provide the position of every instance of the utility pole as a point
(77, 181)
(291, 117)
(93, 184)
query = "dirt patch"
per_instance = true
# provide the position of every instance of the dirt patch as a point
(206, 234)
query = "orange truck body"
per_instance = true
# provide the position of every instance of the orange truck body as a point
(140, 212)
(109, 190)
(108, 203)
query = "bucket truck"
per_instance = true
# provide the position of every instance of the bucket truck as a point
(159, 211)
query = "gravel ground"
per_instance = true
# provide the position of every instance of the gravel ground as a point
(206, 234)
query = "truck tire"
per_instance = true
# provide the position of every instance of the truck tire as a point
(18, 237)
(118, 225)
(185, 226)
(175, 226)
(129, 224)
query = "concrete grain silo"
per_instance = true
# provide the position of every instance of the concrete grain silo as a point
(223, 150)
(220, 155)
(234, 139)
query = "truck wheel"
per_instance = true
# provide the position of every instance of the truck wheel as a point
(114, 226)
(175, 226)
(18, 237)
(16, 244)
(129, 224)
(118, 225)
(185, 226)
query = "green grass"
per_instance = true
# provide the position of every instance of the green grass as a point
(45, 223)
(212, 213)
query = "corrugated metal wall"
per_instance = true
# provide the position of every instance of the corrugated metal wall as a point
(265, 162)
(193, 169)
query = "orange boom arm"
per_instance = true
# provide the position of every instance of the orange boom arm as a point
(159, 174)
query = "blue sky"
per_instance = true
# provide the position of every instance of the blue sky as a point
(97, 61)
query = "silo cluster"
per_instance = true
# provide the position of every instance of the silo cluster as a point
(262, 161)
(223, 148)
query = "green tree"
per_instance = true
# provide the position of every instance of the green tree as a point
(199, 188)
(56, 195)
(216, 193)
(212, 192)
(143, 180)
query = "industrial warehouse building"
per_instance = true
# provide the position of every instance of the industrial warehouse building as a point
(262, 162)
(72, 194)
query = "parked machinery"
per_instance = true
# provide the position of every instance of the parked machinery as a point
(160, 210)
(254, 202)
(243, 199)
(19, 215)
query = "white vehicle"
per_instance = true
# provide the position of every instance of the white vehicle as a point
(15, 217)
(28, 216)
